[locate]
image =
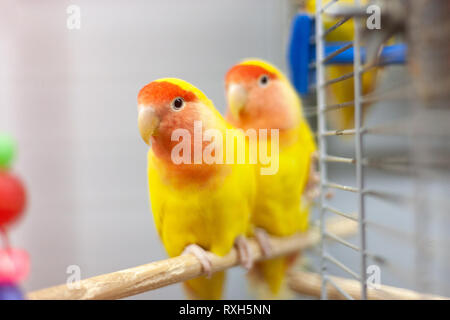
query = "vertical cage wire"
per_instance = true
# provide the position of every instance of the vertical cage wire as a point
(321, 128)
(357, 79)
(358, 132)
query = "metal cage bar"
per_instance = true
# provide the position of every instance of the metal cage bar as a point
(321, 127)
(357, 132)
(359, 152)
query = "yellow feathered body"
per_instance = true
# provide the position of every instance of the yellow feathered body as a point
(279, 207)
(204, 203)
(209, 213)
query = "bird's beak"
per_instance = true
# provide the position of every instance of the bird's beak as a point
(148, 122)
(237, 98)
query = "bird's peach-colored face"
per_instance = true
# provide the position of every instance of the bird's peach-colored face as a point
(164, 107)
(257, 98)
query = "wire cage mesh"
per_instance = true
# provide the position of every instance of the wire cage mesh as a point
(388, 174)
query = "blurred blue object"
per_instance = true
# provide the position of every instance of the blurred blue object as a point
(9, 291)
(302, 53)
(394, 54)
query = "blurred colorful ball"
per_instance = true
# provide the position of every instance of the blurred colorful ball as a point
(7, 151)
(12, 198)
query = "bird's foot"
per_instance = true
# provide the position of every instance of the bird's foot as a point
(312, 189)
(202, 257)
(262, 238)
(245, 254)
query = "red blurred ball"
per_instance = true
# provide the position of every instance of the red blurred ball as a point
(12, 198)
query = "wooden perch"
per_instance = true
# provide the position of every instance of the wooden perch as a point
(308, 283)
(162, 273)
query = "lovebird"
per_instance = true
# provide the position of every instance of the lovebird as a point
(259, 96)
(343, 91)
(198, 204)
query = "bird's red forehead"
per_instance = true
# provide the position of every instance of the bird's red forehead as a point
(158, 92)
(246, 72)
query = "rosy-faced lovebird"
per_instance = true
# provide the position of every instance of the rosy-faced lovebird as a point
(260, 97)
(199, 202)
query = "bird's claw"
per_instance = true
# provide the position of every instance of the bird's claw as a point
(262, 238)
(245, 254)
(312, 190)
(202, 257)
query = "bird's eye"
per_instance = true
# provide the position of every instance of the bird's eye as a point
(263, 80)
(177, 104)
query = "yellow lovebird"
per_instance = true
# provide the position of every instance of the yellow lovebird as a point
(343, 91)
(261, 97)
(199, 204)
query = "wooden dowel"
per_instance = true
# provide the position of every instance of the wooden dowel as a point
(162, 273)
(309, 283)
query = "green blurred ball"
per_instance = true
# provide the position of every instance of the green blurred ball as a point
(7, 150)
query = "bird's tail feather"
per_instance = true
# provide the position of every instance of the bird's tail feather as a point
(203, 288)
(267, 277)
